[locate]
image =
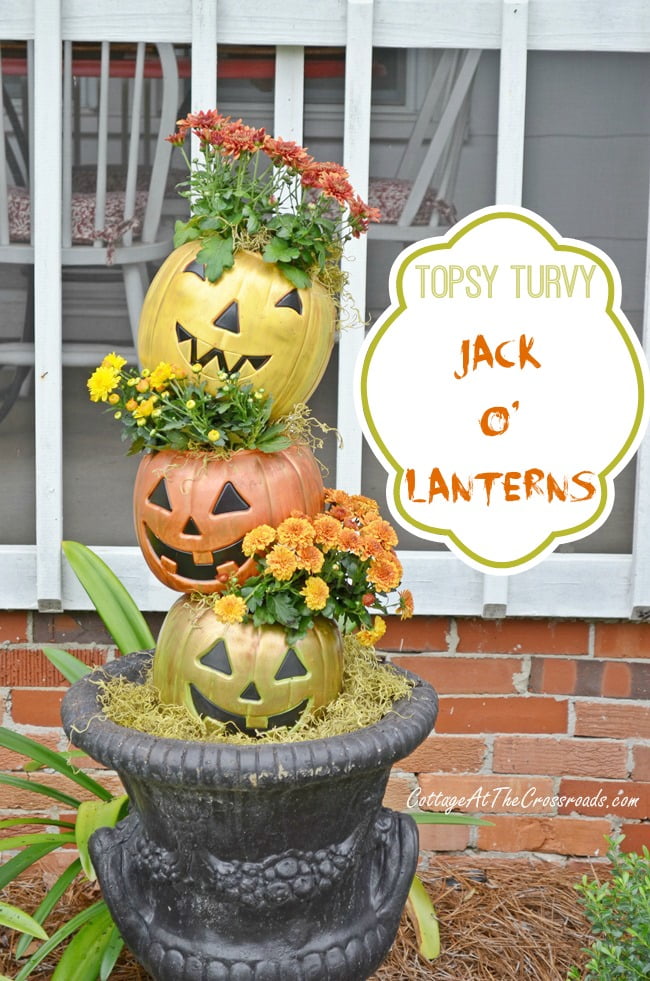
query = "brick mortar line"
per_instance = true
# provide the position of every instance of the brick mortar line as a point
(489, 755)
(453, 637)
(591, 639)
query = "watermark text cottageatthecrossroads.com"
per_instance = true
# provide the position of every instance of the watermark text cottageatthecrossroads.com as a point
(502, 798)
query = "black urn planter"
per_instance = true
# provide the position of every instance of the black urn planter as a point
(254, 863)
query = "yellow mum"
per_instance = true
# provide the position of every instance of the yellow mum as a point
(230, 609)
(102, 382)
(114, 360)
(316, 593)
(160, 376)
(371, 636)
(258, 540)
(144, 408)
(281, 562)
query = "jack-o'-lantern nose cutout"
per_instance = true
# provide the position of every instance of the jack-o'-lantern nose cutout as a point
(191, 527)
(159, 495)
(292, 301)
(229, 500)
(291, 667)
(197, 268)
(217, 658)
(250, 693)
(229, 319)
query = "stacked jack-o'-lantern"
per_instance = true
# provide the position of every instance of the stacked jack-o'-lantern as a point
(239, 295)
(193, 511)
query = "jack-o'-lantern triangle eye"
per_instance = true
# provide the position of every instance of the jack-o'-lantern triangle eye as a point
(197, 268)
(217, 658)
(159, 495)
(292, 301)
(229, 500)
(229, 319)
(291, 667)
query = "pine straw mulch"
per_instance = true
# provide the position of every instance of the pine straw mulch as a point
(499, 921)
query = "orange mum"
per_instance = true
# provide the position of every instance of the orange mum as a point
(385, 572)
(310, 558)
(296, 532)
(381, 530)
(405, 606)
(326, 531)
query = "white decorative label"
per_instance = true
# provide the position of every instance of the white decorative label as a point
(503, 389)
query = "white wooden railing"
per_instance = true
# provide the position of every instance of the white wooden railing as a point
(563, 585)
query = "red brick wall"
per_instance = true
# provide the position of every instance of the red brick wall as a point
(530, 710)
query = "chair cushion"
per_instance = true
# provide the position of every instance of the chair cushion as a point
(390, 194)
(83, 217)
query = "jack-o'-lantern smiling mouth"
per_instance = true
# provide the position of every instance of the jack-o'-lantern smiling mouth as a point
(203, 566)
(229, 361)
(206, 707)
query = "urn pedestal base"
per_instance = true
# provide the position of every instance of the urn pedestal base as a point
(274, 862)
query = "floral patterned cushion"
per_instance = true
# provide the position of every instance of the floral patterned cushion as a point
(83, 217)
(390, 194)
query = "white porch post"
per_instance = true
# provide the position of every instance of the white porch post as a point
(45, 137)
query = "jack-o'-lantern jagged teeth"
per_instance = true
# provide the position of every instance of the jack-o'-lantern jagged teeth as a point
(206, 707)
(189, 564)
(229, 361)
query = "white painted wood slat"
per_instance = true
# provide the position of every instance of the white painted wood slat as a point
(46, 201)
(563, 585)
(581, 25)
(512, 102)
(356, 144)
(288, 108)
(640, 583)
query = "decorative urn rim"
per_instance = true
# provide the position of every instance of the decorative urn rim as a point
(177, 761)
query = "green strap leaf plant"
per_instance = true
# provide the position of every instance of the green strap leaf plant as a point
(418, 905)
(112, 951)
(424, 919)
(50, 900)
(51, 758)
(17, 919)
(113, 602)
(70, 666)
(82, 958)
(94, 814)
(61, 934)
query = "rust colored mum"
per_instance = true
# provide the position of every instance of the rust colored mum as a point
(286, 153)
